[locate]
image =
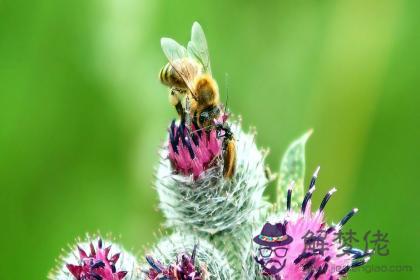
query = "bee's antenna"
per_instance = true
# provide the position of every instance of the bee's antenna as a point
(227, 90)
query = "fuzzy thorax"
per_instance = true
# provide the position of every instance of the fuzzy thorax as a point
(210, 203)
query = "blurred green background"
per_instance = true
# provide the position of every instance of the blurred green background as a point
(82, 112)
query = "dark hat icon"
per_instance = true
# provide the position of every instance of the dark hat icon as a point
(273, 235)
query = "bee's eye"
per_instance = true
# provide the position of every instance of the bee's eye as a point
(203, 116)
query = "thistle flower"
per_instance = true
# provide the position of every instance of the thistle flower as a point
(183, 268)
(183, 256)
(193, 153)
(94, 260)
(303, 246)
(212, 203)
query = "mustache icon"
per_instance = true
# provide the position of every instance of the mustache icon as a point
(273, 269)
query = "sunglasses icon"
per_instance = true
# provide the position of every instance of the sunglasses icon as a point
(267, 252)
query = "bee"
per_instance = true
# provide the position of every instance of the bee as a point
(193, 91)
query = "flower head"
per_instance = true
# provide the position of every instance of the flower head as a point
(183, 268)
(93, 260)
(187, 257)
(212, 203)
(303, 246)
(193, 152)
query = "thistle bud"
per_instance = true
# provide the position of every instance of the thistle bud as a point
(95, 259)
(183, 256)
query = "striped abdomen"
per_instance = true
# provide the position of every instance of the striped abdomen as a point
(168, 76)
(186, 67)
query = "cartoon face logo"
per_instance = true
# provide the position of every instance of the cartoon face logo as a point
(273, 241)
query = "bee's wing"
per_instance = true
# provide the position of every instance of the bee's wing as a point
(197, 47)
(174, 51)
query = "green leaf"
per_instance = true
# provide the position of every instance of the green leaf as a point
(292, 169)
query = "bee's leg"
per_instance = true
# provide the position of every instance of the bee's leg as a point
(180, 111)
(196, 127)
(187, 112)
(176, 102)
(192, 135)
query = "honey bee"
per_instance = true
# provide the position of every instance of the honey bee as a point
(193, 91)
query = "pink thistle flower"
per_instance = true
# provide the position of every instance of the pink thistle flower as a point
(96, 265)
(183, 269)
(193, 153)
(315, 252)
